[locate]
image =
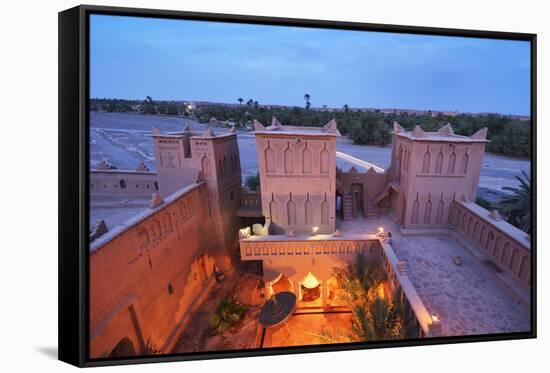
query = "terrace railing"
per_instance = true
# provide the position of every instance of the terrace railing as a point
(263, 247)
(251, 204)
(413, 307)
(503, 244)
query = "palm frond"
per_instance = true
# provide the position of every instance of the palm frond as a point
(517, 204)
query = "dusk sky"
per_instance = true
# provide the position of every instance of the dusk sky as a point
(206, 61)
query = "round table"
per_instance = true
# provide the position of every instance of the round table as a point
(278, 310)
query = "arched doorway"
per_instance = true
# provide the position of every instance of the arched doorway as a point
(123, 348)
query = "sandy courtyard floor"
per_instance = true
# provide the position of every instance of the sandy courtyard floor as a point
(467, 298)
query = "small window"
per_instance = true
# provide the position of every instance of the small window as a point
(122, 184)
(156, 186)
(170, 289)
(231, 195)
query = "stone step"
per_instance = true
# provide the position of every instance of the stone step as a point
(347, 207)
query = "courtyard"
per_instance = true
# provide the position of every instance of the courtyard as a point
(302, 328)
(466, 298)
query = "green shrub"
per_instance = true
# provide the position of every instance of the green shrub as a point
(228, 313)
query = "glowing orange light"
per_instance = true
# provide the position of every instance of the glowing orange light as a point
(315, 229)
(380, 291)
(435, 318)
(310, 281)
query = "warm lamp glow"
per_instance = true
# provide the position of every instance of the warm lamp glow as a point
(435, 318)
(380, 291)
(245, 232)
(310, 281)
(315, 229)
(381, 230)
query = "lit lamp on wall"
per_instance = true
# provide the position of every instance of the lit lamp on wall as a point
(314, 231)
(381, 232)
(435, 327)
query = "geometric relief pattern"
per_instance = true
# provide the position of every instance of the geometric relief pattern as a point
(315, 150)
(328, 247)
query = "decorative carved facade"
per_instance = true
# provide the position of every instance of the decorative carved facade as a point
(301, 161)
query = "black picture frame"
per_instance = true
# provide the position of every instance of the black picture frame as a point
(74, 194)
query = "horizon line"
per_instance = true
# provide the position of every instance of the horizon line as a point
(327, 107)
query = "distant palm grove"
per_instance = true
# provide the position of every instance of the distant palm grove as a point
(508, 135)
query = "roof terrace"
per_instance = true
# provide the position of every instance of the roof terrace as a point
(467, 298)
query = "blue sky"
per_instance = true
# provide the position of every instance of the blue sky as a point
(206, 61)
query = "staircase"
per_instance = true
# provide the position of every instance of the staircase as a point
(347, 206)
(372, 212)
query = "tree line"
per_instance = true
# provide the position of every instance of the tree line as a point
(147, 106)
(507, 135)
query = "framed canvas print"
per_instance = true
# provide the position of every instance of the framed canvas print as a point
(238, 186)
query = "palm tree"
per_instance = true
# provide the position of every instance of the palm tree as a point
(375, 317)
(346, 108)
(358, 279)
(517, 205)
(380, 319)
(386, 320)
(149, 106)
(307, 97)
(240, 99)
(256, 104)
